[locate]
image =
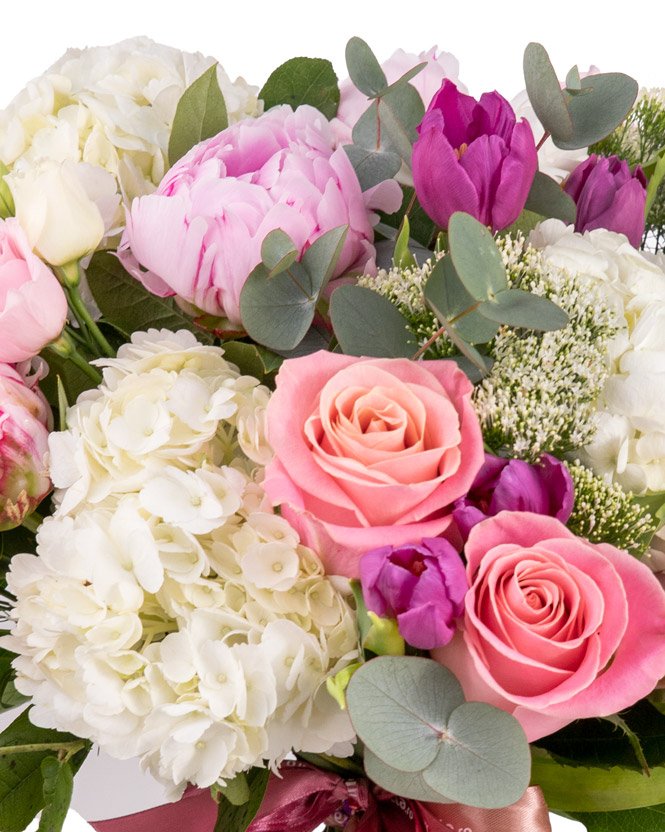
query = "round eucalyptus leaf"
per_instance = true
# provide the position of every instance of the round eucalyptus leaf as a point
(483, 758)
(278, 251)
(476, 258)
(399, 707)
(547, 198)
(403, 783)
(366, 323)
(320, 259)
(515, 307)
(544, 92)
(364, 69)
(372, 166)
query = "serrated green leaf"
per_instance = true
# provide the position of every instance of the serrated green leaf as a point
(632, 738)
(277, 311)
(649, 819)
(301, 81)
(598, 113)
(400, 705)
(320, 259)
(544, 92)
(200, 114)
(372, 166)
(515, 307)
(58, 784)
(476, 258)
(126, 302)
(364, 69)
(411, 785)
(278, 251)
(366, 323)
(546, 197)
(232, 818)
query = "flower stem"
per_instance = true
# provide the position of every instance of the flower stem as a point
(71, 747)
(32, 521)
(84, 317)
(65, 347)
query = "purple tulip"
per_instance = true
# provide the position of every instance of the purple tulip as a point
(473, 156)
(545, 487)
(422, 586)
(609, 196)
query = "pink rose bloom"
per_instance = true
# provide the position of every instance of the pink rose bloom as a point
(199, 235)
(24, 422)
(556, 628)
(369, 452)
(353, 103)
(33, 307)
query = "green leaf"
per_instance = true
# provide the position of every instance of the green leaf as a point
(9, 696)
(400, 112)
(364, 69)
(545, 94)
(515, 307)
(422, 227)
(277, 311)
(320, 259)
(366, 323)
(483, 759)
(372, 166)
(445, 291)
(303, 81)
(524, 224)
(21, 781)
(236, 791)
(411, 785)
(400, 706)
(402, 257)
(573, 79)
(477, 259)
(232, 818)
(601, 111)
(632, 738)
(200, 114)
(252, 359)
(63, 404)
(125, 301)
(362, 618)
(649, 819)
(278, 252)
(546, 197)
(655, 179)
(7, 207)
(58, 784)
(63, 373)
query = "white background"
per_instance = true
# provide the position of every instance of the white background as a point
(252, 37)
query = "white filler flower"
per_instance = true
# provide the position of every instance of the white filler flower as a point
(169, 613)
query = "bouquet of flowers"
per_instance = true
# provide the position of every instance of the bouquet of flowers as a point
(332, 441)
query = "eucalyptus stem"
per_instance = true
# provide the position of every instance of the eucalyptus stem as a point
(542, 141)
(32, 521)
(71, 747)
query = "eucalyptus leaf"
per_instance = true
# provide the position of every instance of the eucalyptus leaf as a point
(372, 166)
(573, 79)
(515, 307)
(234, 818)
(411, 785)
(467, 350)
(366, 132)
(277, 311)
(316, 338)
(473, 373)
(364, 69)
(200, 114)
(400, 705)
(320, 259)
(366, 323)
(524, 224)
(301, 81)
(278, 251)
(126, 302)
(401, 81)
(598, 113)
(476, 258)
(400, 112)
(58, 785)
(546, 197)
(542, 86)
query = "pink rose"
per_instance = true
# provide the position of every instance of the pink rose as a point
(555, 628)
(199, 235)
(33, 307)
(369, 452)
(24, 421)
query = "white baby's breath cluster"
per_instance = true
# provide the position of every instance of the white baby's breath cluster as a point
(105, 114)
(169, 613)
(629, 445)
(540, 394)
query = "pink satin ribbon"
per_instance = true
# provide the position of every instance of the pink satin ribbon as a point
(304, 797)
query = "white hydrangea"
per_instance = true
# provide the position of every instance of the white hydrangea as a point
(169, 613)
(109, 110)
(629, 445)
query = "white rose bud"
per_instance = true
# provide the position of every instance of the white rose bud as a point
(60, 220)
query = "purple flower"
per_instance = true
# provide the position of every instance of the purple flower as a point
(514, 485)
(609, 196)
(473, 156)
(422, 586)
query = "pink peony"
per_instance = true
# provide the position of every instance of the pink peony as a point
(556, 628)
(199, 235)
(369, 452)
(24, 422)
(33, 307)
(353, 103)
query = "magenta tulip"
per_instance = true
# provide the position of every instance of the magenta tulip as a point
(609, 196)
(473, 156)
